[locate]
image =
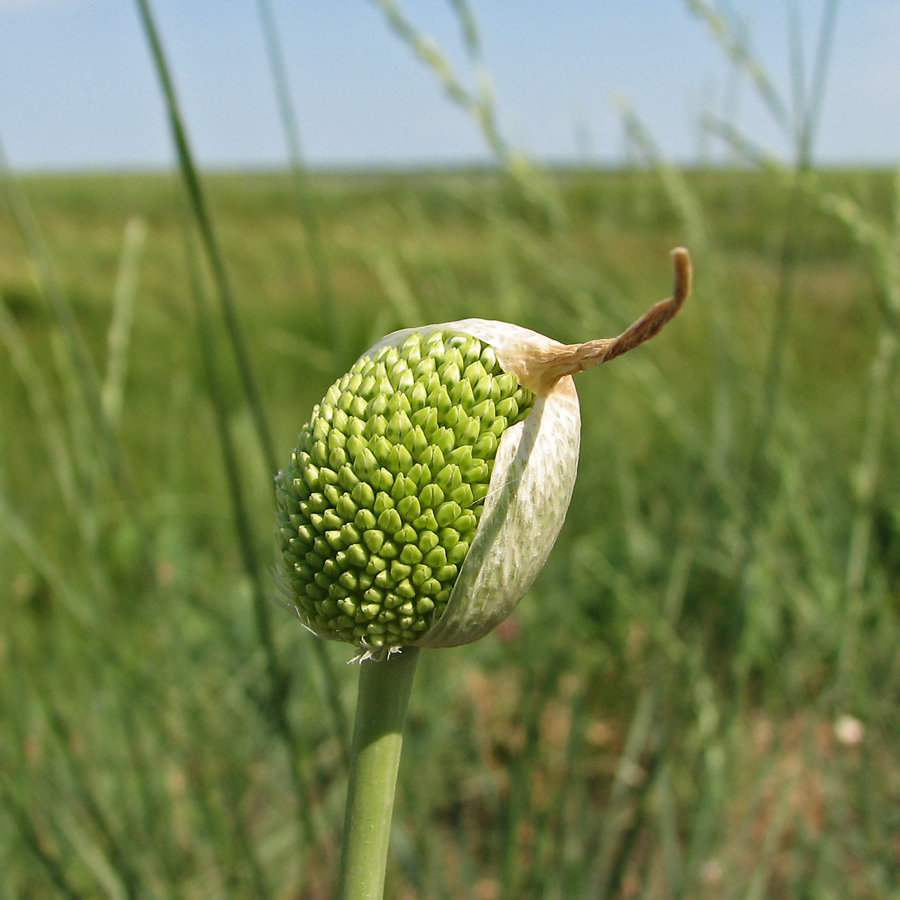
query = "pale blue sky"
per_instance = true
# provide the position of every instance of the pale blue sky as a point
(77, 88)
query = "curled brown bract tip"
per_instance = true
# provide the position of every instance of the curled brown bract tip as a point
(653, 320)
(569, 359)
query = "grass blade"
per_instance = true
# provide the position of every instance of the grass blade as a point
(119, 334)
(208, 237)
(305, 199)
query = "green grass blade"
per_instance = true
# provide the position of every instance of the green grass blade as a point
(119, 334)
(213, 253)
(79, 371)
(43, 409)
(305, 198)
(54, 869)
(279, 685)
(209, 239)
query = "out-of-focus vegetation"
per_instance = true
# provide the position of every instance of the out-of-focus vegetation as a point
(697, 698)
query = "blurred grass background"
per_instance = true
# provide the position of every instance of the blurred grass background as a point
(698, 698)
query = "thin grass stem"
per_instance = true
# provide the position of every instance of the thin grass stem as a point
(209, 240)
(208, 236)
(119, 860)
(119, 335)
(79, 372)
(44, 411)
(302, 188)
(478, 102)
(730, 34)
(55, 870)
(883, 372)
(278, 677)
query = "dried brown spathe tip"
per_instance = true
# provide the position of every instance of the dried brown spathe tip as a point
(540, 367)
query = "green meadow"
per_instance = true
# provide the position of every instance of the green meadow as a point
(699, 696)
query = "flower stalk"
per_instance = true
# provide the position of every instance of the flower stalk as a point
(384, 689)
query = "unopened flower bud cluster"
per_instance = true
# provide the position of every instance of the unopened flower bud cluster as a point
(383, 495)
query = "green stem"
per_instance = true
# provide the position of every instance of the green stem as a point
(384, 689)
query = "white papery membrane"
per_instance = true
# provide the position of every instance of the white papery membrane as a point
(528, 495)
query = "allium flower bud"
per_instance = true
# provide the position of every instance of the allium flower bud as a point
(430, 484)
